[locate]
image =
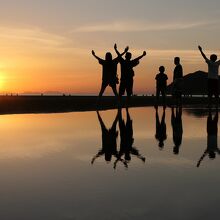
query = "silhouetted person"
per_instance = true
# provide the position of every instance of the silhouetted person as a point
(161, 129)
(109, 140)
(176, 121)
(212, 137)
(161, 84)
(109, 71)
(127, 73)
(213, 67)
(127, 140)
(177, 81)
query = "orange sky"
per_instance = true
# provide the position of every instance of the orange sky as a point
(47, 47)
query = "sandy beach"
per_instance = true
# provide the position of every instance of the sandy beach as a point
(59, 104)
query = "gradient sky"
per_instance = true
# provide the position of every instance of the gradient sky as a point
(46, 44)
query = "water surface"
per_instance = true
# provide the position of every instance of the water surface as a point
(64, 166)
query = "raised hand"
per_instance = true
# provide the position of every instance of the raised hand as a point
(126, 49)
(144, 53)
(115, 46)
(93, 52)
(200, 48)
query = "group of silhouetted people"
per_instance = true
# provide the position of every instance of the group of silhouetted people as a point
(177, 128)
(109, 72)
(109, 141)
(126, 150)
(110, 76)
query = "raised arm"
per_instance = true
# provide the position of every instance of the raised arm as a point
(140, 57)
(118, 53)
(201, 51)
(116, 50)
(99, 154)
(98, 58)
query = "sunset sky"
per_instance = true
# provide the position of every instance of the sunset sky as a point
(46, 44)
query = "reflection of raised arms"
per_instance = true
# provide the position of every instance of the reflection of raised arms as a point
(140, 57)
(98, 58)
(118, 53)
(202, 158)
(122, 128)
(99, 154)
(201, 51)
(121, 160)
(136, 153)
(129, 127)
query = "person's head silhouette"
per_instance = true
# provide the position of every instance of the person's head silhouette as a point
(108, 56)
(176, 150)
(128, 56)
(127, 157)
(162, 69)
(212, 155)
(108, 157)
(176, 60)
(161, 145)
(213, 57)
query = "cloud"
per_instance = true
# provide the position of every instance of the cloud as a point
(33, 36)
(139, 26)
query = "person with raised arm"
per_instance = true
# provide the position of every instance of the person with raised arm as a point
(212, 137)
(127, 73)
(109, 140)
(213, 78)
(109, 71)
(127, 140)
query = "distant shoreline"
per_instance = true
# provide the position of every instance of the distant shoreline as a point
(61, 104)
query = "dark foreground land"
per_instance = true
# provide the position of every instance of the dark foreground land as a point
(59, 104)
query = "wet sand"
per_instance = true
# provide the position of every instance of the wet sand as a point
(59, 104)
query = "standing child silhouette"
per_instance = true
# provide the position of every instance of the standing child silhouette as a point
(161, 85)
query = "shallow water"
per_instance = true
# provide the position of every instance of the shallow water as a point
(48, 168)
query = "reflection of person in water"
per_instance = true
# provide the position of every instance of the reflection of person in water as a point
(212, 138)
(161, 129)
(109, 141)
(176, 121)
(127, 140)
